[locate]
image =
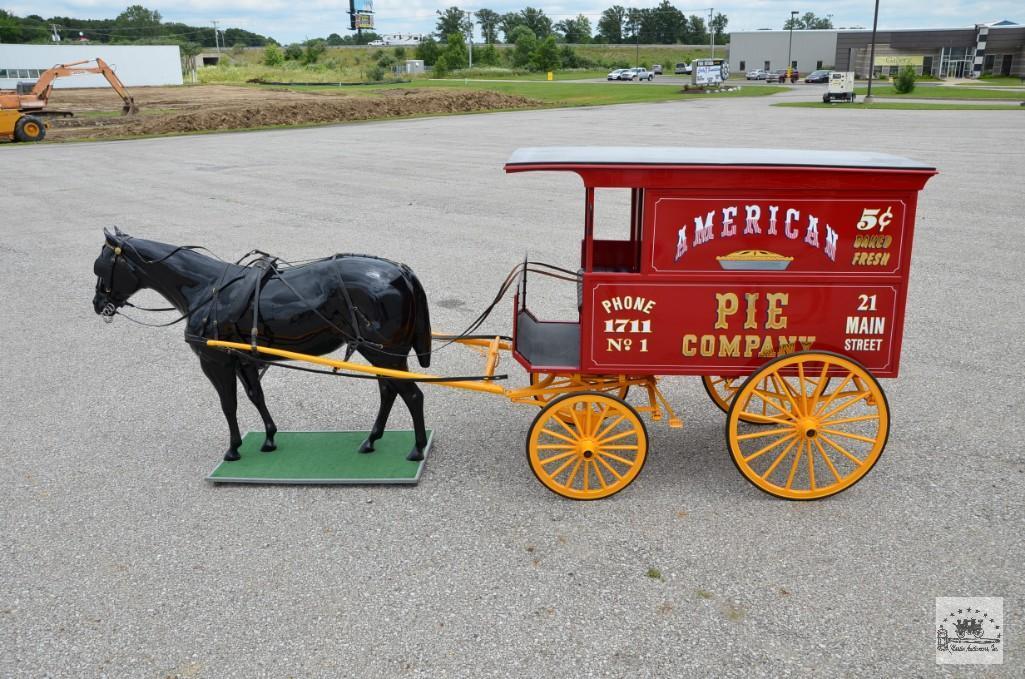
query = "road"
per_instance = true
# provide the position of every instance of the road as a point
(118, 559)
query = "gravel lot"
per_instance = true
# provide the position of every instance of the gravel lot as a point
(118, 559)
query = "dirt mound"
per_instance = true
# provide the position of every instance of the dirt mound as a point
(323, 109)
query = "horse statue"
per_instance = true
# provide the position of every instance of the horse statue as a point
(375, 306)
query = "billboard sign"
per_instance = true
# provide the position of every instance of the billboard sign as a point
(710, 71)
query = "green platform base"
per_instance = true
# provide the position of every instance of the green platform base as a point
(324, 457)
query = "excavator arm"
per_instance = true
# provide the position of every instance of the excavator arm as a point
(44, 85)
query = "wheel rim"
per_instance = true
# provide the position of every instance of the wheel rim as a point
(815, 441)
(587, 446)
(31, 129)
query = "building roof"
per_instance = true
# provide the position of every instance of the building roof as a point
(577, 157)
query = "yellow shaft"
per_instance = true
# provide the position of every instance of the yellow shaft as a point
(486, 387)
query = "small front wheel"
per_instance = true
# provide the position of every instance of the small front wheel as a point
(29, 128)
(587, 446)
(813, 442)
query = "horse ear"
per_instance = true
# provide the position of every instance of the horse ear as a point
(119, 233)
(110, 238)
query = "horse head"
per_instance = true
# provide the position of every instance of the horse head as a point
(116, 277)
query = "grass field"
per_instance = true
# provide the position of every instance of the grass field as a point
(578, 94)
(998, 80)
(904, 106)
(940, 92)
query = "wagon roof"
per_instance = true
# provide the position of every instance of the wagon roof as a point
(596, 157)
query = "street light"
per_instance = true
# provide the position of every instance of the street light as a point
(872, 55)
(790, 45)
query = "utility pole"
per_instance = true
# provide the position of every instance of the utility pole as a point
(217, 45)
(711, 32)
(469, 34)
(790, 45)
(872, 57)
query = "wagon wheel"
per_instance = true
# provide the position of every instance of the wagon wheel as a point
(820, 442)
(546, 380)
(722, 390)
(587, 446)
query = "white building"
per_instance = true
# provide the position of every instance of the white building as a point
(810, 50)
(135, 65)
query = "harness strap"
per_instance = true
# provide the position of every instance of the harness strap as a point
(266, 262)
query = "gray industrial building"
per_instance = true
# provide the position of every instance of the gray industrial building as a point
(996, 48)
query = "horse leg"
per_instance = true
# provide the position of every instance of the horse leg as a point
(387, 389)
(250, 378)
(222, 376)
(414, 399)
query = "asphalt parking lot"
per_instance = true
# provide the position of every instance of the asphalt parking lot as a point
(119, 560)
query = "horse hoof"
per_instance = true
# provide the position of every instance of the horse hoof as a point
(268, 447)
(415, 455)
(366, 447)
(232, 456)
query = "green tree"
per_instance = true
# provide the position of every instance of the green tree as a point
(486, 56)
(455, 51)
(576, 31)
(428, 51)
(334, 40)
(450, 21)
(273, 56)
(137, 22)
(537, 21)
(441, 68)
(809, 22)
(696, 33)
(313, 51)
(294, 52)
(904, 82)
(508, 24)
(545, 56)
(611, 23)
(718, 26)
(668, 24)
(526, 43)
(488, 20)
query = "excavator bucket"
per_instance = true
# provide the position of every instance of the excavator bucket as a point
(129, 108)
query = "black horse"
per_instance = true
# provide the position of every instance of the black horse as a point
(374, 305)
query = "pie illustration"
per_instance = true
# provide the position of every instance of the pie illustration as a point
(754, 260)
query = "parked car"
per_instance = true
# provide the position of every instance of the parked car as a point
(756, 74)
(614, 75)
(657, 69)
(777, 76)
(817, 77)
(682, 68)
(640, 73)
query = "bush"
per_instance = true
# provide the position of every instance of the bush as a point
(455, 51)
(904, 81)
(428, 51)
(273, 56)
(386, 61)
(400, 52)
(486, 56)
(294, 52)
(312, 52)
(526, 43)
(441, 67)
(545, 56)
(376, 73)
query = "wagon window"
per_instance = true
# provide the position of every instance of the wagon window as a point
(616, 231)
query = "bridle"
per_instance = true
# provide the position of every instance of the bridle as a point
(105, 284)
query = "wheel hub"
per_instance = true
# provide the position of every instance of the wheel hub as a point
(586, 448)
(808, 427)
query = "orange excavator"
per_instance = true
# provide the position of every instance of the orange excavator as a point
(22, 113)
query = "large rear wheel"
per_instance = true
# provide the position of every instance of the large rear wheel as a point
(587, 446)
(812, 442)
(29, 128)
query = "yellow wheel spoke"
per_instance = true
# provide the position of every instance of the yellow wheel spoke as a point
(556, 458)
(847, 404)
(575, 434)
(819, 387)
(587, 475)
(783, 387)
(625, 447)
(769, 447)
(561, 469)
(609, 428)
(617, 437)
(848, 420)
(800, 383)
(841, 449)
(770, 399)
(597, 472)
(793, 467)
(576, 420)
(811, 467)
(601, 418)
(856, 437)
(556, 446)
(780, 458)
(767, 432)
(832, 396)
(617, 458)
(611, 469)
(759, 419)
(573, 473)
(555, 434)
(829, 463)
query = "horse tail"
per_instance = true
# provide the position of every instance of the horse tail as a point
(421, 322)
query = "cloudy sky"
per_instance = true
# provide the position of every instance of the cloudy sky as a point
(288, 21)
